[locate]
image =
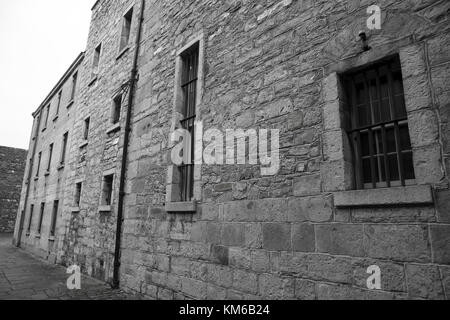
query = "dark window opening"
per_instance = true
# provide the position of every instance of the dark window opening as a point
(74, 86)
(64, 148)
(379, 131)
(59, 103)
(87, 124)
(96, 62)
(126, 29)
(116, 110)
(107, 190)
(50, 156)
(77, 199)
(46, 117)
(54, 218)
(189, 80)
(41, 218)
(39, 164)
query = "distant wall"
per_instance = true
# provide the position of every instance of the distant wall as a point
(12, 167)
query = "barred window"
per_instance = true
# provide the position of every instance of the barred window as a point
(379, 131)
(189, 80)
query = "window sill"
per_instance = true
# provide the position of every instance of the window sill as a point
(84, 144)
(47, 173)
(105, 209)
(61, 167)
(70, 104)
(181, 207)
(113, 129)
(94, 80)
(398, 196)
(27, 234)
(38, 236)
(36, 178)
(56, 118)
(51, 238)
(43, 130)
(75, 209)
(122, 52)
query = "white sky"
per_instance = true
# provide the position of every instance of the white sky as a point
(39, 39)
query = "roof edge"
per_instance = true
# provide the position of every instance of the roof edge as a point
(61, 81)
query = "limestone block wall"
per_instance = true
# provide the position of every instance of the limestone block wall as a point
(12, 167)
(277, 64)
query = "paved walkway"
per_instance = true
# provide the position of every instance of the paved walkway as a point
(25, 277)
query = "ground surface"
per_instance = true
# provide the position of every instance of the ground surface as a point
(25, 277)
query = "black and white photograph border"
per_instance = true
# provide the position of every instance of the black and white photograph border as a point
(235, 150)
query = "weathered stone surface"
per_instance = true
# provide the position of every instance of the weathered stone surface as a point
(440, 242)
(411, 242)
(276, 288)
(340, 239)
(305, 290)
(424, 281)
(303, 238)
(443, 206)
(276, 237)
(307, 186)
(12, 170)
(245, 281)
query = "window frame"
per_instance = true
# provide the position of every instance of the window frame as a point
(41, 220)
(127, 20)
(173, 203)
(54, 221)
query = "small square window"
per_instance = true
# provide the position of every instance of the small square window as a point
(107, 190)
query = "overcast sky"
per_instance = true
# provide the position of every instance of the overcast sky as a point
(39, 40)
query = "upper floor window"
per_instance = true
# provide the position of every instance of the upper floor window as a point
(77, 197)
(47, 114)
(116, 109)
(96, 61)
(189, 79)
(87, 124)
(39, 164)
(74, 86)
(378, 131)
(50, 156)
(64, 148)
(126, 29)
(59, 103)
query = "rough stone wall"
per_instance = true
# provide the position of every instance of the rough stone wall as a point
(12, 166)
(90, 234)
(272, 65)
(282, 237)
(48, 185)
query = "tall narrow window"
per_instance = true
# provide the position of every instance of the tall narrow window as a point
(50, 156)
(189, 90)
(41, 218)
(116, 110)
(74, 86)
(107, 190)
(46, 117)
(59, 103)
(77, 198)
(87, 124)
(30, 221)
(126, 29)
(54, 218)
(38, 169)
(96, 62)
(379, 126)
(64, 148)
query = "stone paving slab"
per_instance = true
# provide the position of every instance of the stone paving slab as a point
(25, 277)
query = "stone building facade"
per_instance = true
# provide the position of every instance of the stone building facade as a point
(342, 200)
(12, 166)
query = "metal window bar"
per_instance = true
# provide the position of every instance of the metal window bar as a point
(189, 89)
(379, 127)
